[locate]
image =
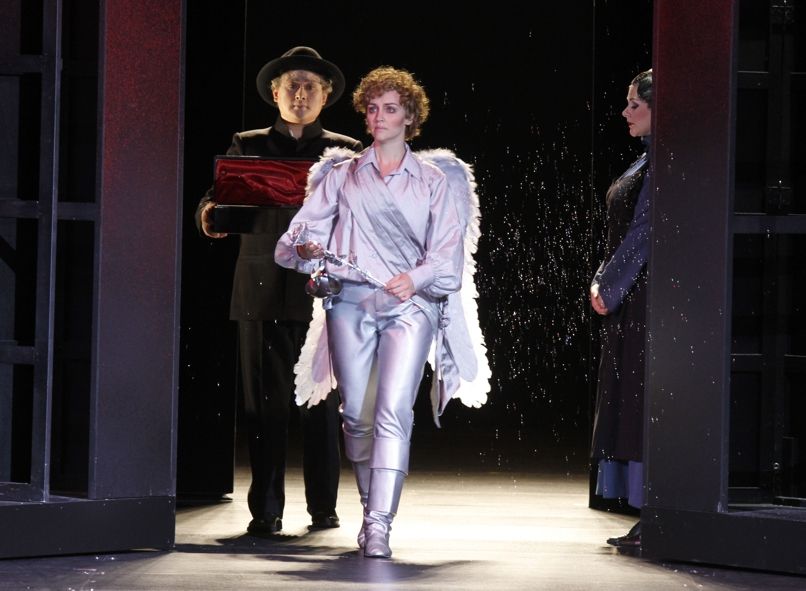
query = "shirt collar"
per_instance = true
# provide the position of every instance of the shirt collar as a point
(409, 163)
(311, 130)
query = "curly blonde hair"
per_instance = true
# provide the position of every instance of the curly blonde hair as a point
(412, 95)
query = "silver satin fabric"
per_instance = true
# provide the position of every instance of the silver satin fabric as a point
(378, 347)
(403, 223)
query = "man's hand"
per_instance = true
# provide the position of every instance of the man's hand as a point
(597, 303)
(207, 222)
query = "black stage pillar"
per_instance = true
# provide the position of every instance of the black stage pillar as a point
(98, 87)
(688, 515)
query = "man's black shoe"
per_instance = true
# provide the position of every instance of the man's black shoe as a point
(265, 527)
(324, 521)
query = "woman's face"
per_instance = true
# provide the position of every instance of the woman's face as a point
(386, 118)
(637, 113)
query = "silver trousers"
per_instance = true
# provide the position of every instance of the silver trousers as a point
(378, 346)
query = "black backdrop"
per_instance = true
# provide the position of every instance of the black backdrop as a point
(531, 98)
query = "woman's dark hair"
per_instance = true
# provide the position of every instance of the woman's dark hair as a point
(643, 86)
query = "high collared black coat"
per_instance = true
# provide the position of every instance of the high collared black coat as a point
(619, 416)
(261, 289)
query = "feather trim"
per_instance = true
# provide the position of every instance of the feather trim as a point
(473, 388)
(329, 158)
(314, 377)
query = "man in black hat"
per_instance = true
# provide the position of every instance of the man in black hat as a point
(270, 304)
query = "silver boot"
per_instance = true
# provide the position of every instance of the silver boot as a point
(358, 450)
(362, 479)
(384, 497)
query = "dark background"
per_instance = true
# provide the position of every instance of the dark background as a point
(531, 97)
(532, 101)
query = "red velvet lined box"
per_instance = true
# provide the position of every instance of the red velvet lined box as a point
(249, 190)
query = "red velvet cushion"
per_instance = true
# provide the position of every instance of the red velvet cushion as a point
(260, 181)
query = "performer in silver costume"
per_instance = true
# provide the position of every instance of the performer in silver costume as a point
(384, 215)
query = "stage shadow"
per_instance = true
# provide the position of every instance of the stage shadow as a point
(323, 562)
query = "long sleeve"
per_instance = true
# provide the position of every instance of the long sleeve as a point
(617, 275)
(315, 218)
(597, 277)
(441, 270)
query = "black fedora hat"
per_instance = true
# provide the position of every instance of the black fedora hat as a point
(299, 58)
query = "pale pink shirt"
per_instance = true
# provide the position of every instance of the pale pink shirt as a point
(339, 212)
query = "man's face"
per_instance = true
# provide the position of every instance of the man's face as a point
(300, 97)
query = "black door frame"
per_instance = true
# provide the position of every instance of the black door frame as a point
(129, 497)
(688, 514)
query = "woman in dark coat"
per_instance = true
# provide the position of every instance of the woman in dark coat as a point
(618, 294)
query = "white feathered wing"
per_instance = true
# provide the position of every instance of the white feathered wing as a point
(314, 379)
(463, 332)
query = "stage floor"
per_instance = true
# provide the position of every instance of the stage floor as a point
(455, 530)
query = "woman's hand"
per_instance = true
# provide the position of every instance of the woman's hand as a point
(400, 286)
(597, 303)
(310, 250)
